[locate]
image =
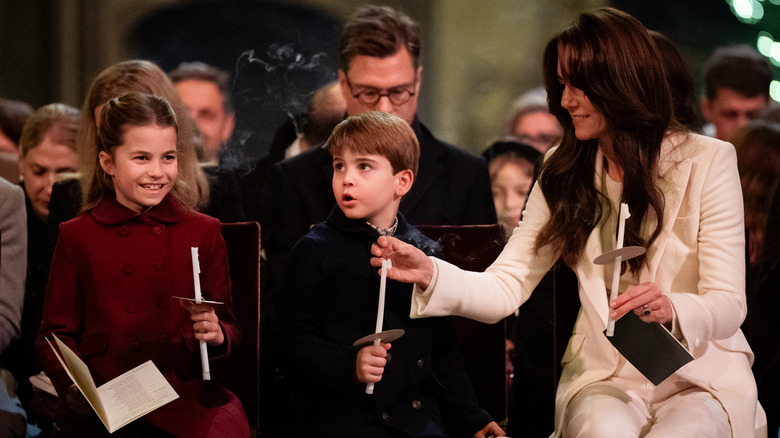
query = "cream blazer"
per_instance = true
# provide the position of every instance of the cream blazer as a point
(698, 260)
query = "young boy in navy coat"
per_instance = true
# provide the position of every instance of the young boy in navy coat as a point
(329, 297)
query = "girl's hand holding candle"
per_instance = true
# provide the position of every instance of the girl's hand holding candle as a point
(205, 323)
(204, 354)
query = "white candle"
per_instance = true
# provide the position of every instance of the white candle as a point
(622, 216)
(380, 311)
(204, 354)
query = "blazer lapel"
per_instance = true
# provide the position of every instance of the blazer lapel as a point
(592, 279)
(674, 174)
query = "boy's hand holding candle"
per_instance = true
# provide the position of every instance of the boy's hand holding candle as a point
(370, 363)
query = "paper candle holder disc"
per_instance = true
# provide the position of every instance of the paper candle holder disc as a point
(629, 252)
(385, 336)
(193, 300)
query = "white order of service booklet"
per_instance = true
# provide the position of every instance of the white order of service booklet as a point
(123, 399)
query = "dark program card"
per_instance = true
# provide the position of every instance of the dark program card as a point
(650, 347)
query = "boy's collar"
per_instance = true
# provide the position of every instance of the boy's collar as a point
(337, 219)
(385, 231)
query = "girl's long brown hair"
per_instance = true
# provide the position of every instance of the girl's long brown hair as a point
(145, 77)
(611, 58)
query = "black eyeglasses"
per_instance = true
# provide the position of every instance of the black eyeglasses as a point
(370, 96)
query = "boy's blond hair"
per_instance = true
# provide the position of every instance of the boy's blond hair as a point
(377, 133)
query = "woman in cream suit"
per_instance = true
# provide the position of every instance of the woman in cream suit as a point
(621, 144)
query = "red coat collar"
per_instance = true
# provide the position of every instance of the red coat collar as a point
(110, 212)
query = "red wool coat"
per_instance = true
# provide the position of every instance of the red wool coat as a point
(109, 298)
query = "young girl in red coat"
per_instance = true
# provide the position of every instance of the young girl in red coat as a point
(116, 270)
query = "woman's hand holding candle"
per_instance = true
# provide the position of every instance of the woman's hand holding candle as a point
(410, 265)
(636, 297)
(623, 214)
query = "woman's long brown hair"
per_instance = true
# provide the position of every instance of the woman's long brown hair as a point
(611, 58)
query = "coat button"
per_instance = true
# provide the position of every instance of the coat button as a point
(156, 231)
(135, 347)
(128, 270)
(124, 230)
(159, 266)
(162, 303)
(420, 363)
(385, 416)
(131, 307)
(163, 339)
(389, 358)
(417, 404)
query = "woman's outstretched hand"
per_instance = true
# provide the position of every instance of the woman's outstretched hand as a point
(410, 265)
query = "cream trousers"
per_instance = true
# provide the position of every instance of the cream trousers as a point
(628, 406)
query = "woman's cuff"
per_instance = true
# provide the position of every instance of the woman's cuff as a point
(434, 278)
(431, 284)
(675, 331)
(420, 296)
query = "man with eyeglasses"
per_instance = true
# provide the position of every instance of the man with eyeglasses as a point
(379, 70)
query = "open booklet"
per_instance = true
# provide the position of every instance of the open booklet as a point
(124, 398)
(650, 347)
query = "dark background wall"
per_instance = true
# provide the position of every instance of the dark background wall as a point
(477, 56)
